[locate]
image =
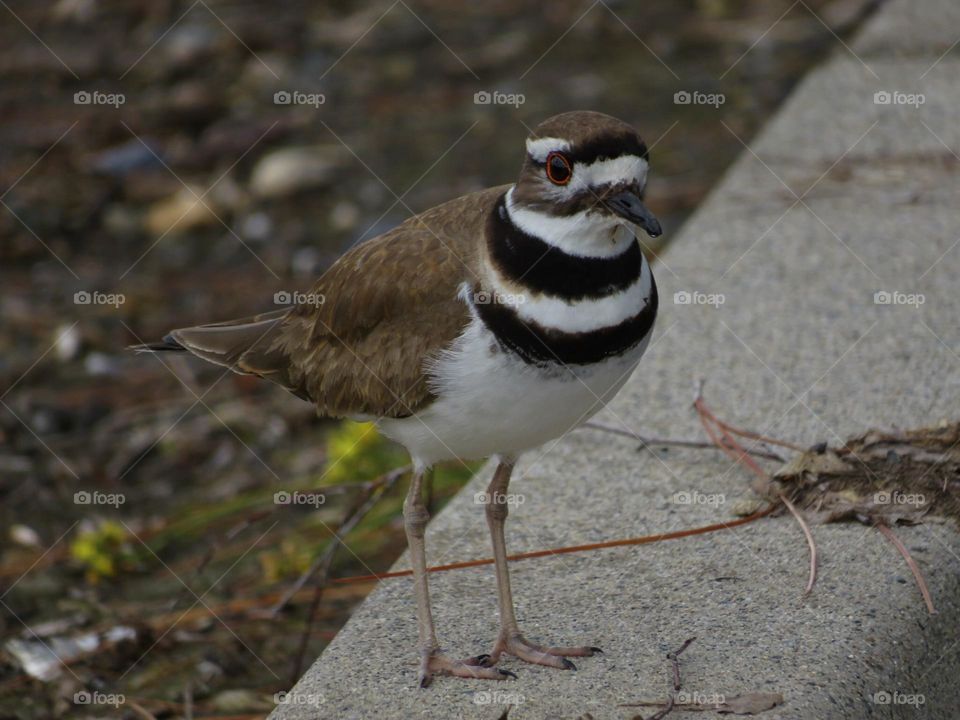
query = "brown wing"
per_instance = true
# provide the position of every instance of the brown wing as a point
(389, 304)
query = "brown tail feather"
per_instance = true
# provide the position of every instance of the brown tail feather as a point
(246, 346)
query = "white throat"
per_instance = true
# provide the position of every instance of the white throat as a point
(584, 234)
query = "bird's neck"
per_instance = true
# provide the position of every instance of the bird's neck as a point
(583, 234)
(527, 250)
(551, 306)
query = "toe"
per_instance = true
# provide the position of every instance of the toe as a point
(586, 651)
(549, 656)
(537, 656)
(440, 664)
(459, 669)
(485, 660)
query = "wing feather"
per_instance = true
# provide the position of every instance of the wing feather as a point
(389, 305)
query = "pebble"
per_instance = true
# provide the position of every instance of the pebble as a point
(68, 341)
(344, 216)
(256, 227)
(291, 170)
(97, 363)
(187, 43)
(25, 535)
(180, 212)
(121, 160)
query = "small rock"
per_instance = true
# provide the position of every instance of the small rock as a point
(188, 43)
(256, 227)
(24, 535)
(227, 194)
(344, 216)
(68, 341)
(180, 212)
(127, 157)
(76, 11)
(120, 220)
(305, 261)
(97, 363)
(236, 701)
(290, 170)
(208, 670)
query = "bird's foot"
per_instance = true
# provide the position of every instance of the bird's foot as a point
(435, 662)
(520, 647)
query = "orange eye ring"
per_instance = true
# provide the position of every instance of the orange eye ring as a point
(559, 169)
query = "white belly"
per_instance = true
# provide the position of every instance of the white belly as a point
(492, 403)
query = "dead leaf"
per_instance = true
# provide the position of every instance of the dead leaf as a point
(750, 703)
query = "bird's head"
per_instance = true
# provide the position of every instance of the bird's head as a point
(588, 169)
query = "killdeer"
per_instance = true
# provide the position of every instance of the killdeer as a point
(480, 328)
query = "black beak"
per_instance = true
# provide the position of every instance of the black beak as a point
(630, 207)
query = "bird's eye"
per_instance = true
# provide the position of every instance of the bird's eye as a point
(558, 168)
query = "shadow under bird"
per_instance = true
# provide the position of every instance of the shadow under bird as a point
(483, 327)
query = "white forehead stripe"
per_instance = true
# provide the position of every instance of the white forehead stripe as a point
(626, 168)
(539, 148)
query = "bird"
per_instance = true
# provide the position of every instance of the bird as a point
(480, 328)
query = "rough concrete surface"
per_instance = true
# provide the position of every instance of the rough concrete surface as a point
(799, 350)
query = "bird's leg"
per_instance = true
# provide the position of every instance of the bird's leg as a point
(432, 660)
(511, 640)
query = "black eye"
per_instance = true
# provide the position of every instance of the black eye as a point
(558, 168)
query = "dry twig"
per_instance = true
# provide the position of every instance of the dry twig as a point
(649, 442)
(324, 561)
(914, 568)
(729, 444)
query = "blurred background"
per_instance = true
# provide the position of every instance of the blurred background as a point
(170, 162)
